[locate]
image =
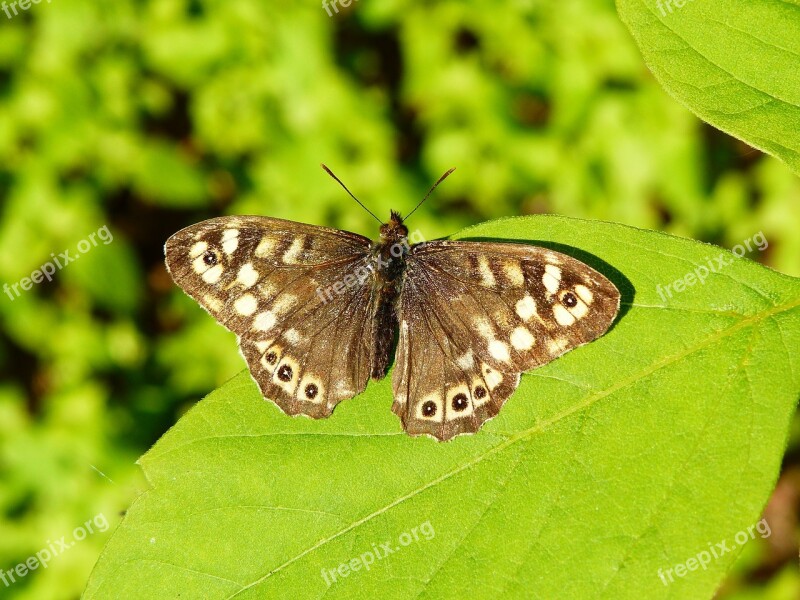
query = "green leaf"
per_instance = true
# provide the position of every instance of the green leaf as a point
(732, 63)
(626, 456)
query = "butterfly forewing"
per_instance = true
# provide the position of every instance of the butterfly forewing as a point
(474, 315)
(307, 340)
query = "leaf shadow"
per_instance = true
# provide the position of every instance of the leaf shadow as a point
(626, 288)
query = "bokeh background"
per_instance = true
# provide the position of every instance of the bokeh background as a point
(148, 116)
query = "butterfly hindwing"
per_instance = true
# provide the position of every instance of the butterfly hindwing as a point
(474, 315)
(306, 340)
(441, 387)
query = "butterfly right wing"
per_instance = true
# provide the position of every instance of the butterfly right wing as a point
(297, 296)
(474, 315)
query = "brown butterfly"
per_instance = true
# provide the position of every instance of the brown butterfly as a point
(317, 312)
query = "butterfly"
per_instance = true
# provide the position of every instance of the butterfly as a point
(319, 311)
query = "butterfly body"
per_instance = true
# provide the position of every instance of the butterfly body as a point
(318, 312)
(389, 261)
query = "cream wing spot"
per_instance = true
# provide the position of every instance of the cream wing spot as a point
(246, 305)
(199, 265)
(198, 248)
(284, 303)
(513, 272)
(466, 361)
(552, 258)
(584, 293)
(499, 350)
(266, 288)
(213, 274)
(580, 310)
(230, 241)
(266, 246)
(553, 270)
(563, 316)
(556, 345)
(212, 302)
(526, 308)
(551, 278)
(230, 246)
(522, 339)
(292, 336)
(264, 321)
(491, 377)
(247, 275)
(485, 270)
(483, 326)
(294, 252)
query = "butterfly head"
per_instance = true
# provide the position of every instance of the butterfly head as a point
(394, 230)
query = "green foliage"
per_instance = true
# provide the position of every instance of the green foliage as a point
(582, 487)
(732, 63)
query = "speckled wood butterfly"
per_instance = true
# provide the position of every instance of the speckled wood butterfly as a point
(317, 312)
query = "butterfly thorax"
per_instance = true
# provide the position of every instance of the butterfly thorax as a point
(389, 258)
(389, 252)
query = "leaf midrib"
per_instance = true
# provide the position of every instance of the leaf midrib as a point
(524, 434)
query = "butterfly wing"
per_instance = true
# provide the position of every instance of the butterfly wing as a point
(475, 315)
(294, 294)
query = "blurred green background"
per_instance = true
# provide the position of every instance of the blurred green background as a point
(148, 116)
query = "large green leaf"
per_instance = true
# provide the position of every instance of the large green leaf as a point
(732, 62)
(626, 456)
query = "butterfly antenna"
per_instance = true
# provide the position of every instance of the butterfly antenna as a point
(339, 181)
(430, 191)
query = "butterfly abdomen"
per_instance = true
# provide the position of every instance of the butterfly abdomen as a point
(384, 326)
(389, 256)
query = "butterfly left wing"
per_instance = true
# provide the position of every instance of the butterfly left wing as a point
(474, 315)
(308, 345)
